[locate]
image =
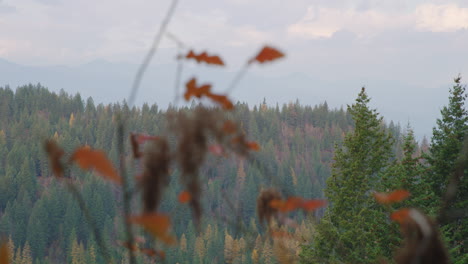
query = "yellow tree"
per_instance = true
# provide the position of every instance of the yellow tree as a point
(200, 247)
(267, 253)
(11, 249)
(26, 257)
(183, 243)
(228, 245)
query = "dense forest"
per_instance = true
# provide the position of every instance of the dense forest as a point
(313, 152)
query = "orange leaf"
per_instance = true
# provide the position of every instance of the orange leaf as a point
(55, 154)
(156, 224)
(194, 90)
(267, 54)
(310, 205)
(204, 57)
(393, 197)
(4, 253)
(88, 159)
(253, 146)
(293, 203)
(222, 100)
(401, 215)
(276, 203)
(229, 127)
(185, 197)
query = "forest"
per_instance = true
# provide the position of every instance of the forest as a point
(344, 156)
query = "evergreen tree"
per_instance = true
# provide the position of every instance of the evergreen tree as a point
(448, 137)
(410, 174)
(446, 145)
(353, 229)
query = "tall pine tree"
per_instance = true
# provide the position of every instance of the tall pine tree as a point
(353, 229)
(446, 145)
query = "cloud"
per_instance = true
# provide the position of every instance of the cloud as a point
(367, 19)
(324, 22)
(441, 18)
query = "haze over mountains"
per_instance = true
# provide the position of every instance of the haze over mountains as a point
(109, 82)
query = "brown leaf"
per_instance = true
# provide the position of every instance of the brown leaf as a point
(221, 100)
(135, 146)
(4, 253)
(55, 153)
(185, 197)
(204, 57)
(196, 91)
(229, 127)
(88, 159)
(310, 205)
(294, 203)
(156, 224)
(401, 215)
(393, 197)
(253, 146)
(267, 54)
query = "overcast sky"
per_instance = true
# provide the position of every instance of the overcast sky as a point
(419, 43)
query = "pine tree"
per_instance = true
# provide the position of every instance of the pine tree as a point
(447, 138)
(353, 229)
(446, 145)
(410, 174)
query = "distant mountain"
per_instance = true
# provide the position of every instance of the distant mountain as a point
(110, 82)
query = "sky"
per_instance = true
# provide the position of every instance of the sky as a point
(406, 52)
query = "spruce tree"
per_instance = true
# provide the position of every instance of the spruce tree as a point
(446, 145)
(354, 228)
(409, 174)
(447, 138)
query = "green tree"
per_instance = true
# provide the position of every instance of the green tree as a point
(353, 229)
(410, 174)
(446, 145)
(447, 138)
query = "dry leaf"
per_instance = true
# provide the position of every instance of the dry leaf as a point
(294, 203)
(393, 197)
(401, 215)
(88, 159)
(267, 54)
(55, 153)
(229, 127)
(221, 100)
(204, 57)
(196, 91)
(185, 197)
(156, 224)
(253, 146)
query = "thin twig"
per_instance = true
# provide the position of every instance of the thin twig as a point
(97, 235)
(237, 78)
(179, 69)
(150, 54)
(125, 187)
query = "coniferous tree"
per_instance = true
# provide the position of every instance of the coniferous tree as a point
(353, 229)
(446, 145)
